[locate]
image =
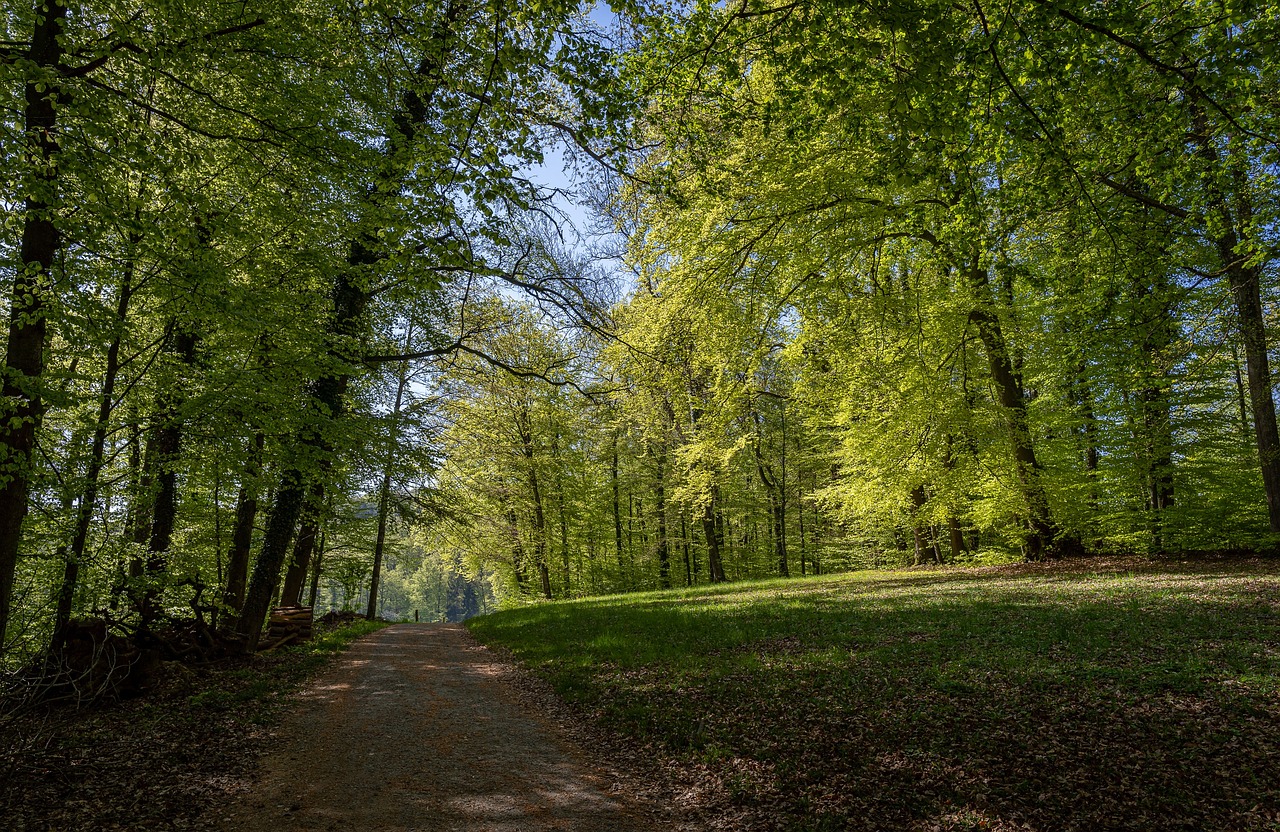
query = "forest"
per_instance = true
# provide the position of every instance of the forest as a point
(301, 307)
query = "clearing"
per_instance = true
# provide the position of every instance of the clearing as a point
(1092, 694)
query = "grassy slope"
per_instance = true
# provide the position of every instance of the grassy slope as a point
(1129, 696)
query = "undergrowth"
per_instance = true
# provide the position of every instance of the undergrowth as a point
(165, 760)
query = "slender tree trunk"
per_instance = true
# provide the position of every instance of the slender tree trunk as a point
(562, 515)
(167, 435)
(242, 531)
(660, 494)
(384, 494)
(918, 499)
(773, 487)
(1042, 540)
(141, 465)
(1241, 397)
(316, 564)
(380, 543)
(97, 453)
(524, 427)
(304, 544)
(684, 540)
(800, 516)
(518, 565)
(329, 393)
(713, 531)
(953, 523)
(1089, 428)
(1228, 230)
(32, 288)
(617, 503)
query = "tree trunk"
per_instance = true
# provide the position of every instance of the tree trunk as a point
(918, 499)
(617, 503)
(167, 435)
(242, 532)
(304, 544)
(562, 515)
(329, 393)
(384, 494)
(518, 565)
(1228, 231)
(524, 427)
(773, 487)
(1153, 317)
(660, 494)
(316, 565)
(712, 530)
(1043, 533)
(97, 453)
(380, 542)
(684, 539)
(32, 285)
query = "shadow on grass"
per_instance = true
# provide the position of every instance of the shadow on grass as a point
(1129, 701)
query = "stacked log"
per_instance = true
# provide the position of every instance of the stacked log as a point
(287, 624)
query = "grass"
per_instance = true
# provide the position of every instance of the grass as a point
(1120, 695)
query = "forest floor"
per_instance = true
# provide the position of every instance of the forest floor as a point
(413, 727)
(1090, 694)
(168, 760)
(419, 727)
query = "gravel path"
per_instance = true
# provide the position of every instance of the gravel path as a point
(418, 728)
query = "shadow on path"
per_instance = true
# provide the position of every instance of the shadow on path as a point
(415, 729)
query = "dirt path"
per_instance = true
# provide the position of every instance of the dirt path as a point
(419, 729)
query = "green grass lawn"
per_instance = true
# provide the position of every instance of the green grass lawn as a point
(1092, 695)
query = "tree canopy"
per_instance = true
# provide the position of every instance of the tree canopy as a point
(293, 316)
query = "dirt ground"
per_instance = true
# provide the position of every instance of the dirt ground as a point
(418, 728)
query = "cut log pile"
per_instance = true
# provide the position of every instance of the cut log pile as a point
(287, 625)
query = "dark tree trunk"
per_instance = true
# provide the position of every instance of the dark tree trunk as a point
(1245, 287)
(684, 539)
(713, 531)
(918, 499)
(664, 551)
(803, 543)
(518, 565)
(1043, 533)
(304, 544)
(380, 542)
(1229, 229)
(1242, 398)
(562, 515)
(1083, 394)
(141, 464)
(1153, 318)
(774, 490)
(97, 452)
(167, 435)
(384, 493)
(617, 503)
(316, 565)
(329, 393)
(24, 355)
(524, 427)
(242, 532)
